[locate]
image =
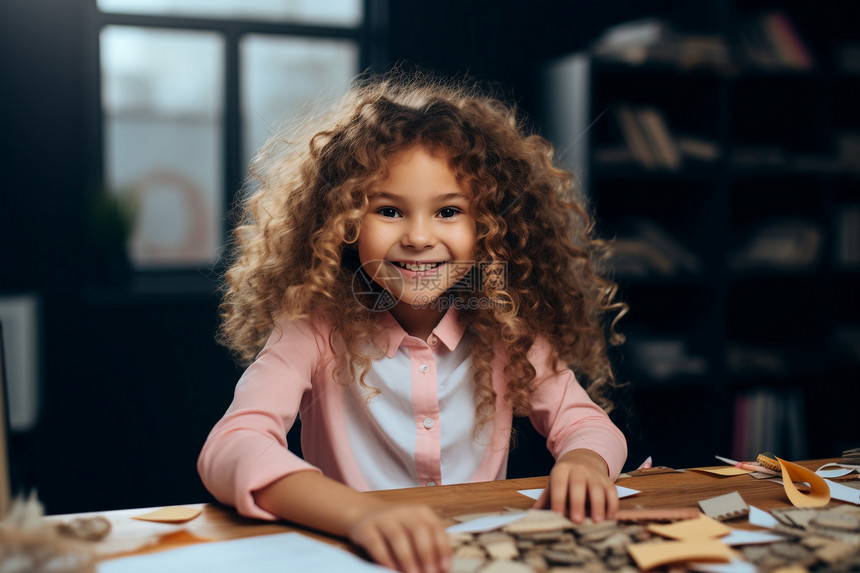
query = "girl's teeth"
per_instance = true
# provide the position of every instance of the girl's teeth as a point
(419, 267)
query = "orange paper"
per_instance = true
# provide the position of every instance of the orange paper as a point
(819, 491)
(172, 514)
(650, 555)
(703, 527)
(722, 470)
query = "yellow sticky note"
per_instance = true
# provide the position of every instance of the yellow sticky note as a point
(702, 527)
(819, 491)
(171, 514)
(650, 555)
(722, 470)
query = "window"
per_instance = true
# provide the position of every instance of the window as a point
(189, 89)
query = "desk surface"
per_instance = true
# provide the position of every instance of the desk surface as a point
(218, 523)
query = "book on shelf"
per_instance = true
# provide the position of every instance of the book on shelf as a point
(653, 40)
(784, 244)
(750, 360)
(698, 148)
(660, 141)
(634, 136)
(682, 258)
(769, 420)
(663, 358)
(646, 132)
(645, 250)
(771, 41)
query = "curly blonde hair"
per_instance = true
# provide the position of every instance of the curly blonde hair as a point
(536, 252)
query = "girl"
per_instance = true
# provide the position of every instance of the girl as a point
(406, 280)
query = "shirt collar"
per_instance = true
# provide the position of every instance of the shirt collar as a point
(449, 331)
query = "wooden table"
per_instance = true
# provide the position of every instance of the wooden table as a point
(218, 523)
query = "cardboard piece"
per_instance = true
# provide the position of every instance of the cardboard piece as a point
(171, 514)
(725, 506)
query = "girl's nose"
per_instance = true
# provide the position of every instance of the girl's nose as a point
(418, 235)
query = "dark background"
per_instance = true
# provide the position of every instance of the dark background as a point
(131, 378)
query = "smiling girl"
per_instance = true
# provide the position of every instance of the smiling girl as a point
(408, 279)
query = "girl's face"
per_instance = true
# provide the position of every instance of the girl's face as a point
(417, 238)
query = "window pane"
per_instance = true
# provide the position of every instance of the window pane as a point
(162, 94)
(346, 13)
(282, 77)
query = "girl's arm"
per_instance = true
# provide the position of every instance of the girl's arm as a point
(408, 538)
(589, 449)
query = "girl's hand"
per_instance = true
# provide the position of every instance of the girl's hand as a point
(578, 478)
(409, 538)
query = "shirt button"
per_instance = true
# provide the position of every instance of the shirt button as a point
(431, 482)
(423, 369)
(428, 423)
(433, 340)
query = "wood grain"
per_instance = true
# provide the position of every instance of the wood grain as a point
(218, 522)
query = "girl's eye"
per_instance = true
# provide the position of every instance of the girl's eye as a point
(449, 212)
(389, 212)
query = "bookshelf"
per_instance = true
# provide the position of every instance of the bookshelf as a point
(725, 164)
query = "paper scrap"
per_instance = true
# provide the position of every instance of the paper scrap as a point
(819, 492)
(721, 470)
(702, 527)
(842, 470)
(838, 473)
(625, 491)
(748, 537)
(261, 554)
(843, 492)
(487, 523)
(762, 518)
(171, 514)
(641, 514)
(650, 555)
(538, 521)
(646, 464)
(724, 506)
(733, 566)
(622, 492)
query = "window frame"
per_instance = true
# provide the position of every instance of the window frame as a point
(368, 36)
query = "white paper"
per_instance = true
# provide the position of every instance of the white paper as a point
(486, 523)
(745, 537)
(622, 492)
(762, 518)
(842, 470)
(625, 491)
(843, 492)
(262, 554)
(532, 493)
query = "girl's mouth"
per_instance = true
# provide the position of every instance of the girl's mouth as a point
(417, 267)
